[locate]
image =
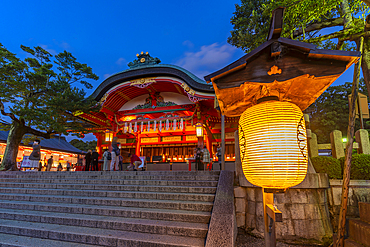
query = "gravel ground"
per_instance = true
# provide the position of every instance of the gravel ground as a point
(245, 240)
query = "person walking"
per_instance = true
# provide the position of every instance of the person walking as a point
(206, 157)
(95, 161)
(88, 160)
(68, 166)
(35, 155)
(50, 163)
(107, 158)
(115, 152)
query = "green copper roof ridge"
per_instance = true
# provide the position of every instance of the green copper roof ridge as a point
(190, 74)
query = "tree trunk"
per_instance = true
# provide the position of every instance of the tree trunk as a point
(17, 130)
(366, 63)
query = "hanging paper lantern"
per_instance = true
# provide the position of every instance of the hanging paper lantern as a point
(148, 126)
(125, 128)
(160, 125)
(142, 127)
(155, 125)
(130, 128)
(174, 124)
(181, 124)
(273, 145)
(135, 127)
(167, 124)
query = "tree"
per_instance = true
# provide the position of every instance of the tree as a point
(40, 97)
(330, 111)
(84, 146)
(306, 20)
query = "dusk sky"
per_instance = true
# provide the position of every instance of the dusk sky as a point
(108, 34)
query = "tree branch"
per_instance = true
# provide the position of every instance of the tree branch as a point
(367, 2)
(11, 115)
(342, 35)
(46, 135)
(318, 26)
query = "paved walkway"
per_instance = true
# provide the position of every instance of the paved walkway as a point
(246, 240)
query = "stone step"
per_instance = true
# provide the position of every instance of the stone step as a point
(186, 229)
(115, 194)
(364, 208)
(113, 182)
(200, 174)
(118, 211)
(350, 243)
(125, 202)
(143, 188)
(9, 240)
(94, 236)
(359, 231)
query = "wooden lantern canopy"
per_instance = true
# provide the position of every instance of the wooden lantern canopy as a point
(273, 145)
(289, 71)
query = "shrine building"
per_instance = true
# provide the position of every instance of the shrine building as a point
(154, 109)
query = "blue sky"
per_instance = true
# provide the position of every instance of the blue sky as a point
(108, 34)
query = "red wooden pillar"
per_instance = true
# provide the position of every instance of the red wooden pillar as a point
(100, 137)
(138, 144)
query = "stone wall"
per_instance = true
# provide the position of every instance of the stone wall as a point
(305, 211)
(359, 191)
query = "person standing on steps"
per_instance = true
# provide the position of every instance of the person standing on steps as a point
(206, 157)
(107, 156)
(115, 152)
(95, 161)
(219, 155)
(88, 160)
(50, 163)
(35, 155)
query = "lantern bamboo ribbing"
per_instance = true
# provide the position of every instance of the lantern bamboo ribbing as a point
(273, 145)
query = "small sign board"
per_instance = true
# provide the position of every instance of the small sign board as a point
(26, 163)
(363, 105)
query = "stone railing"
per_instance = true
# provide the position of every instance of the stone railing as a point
(337, 146)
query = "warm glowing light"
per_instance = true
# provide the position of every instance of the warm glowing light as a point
(273, 145)
(199, 130)
(108, 136)
(344, 139)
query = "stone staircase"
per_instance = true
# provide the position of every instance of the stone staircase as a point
(359, 229)
(106, 208)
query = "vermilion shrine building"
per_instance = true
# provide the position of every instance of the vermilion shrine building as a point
(153, 108)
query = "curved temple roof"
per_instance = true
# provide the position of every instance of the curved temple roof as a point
(156, 70)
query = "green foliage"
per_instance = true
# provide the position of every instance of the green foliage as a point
(360, 166)
(330, 111)
(328, 165)
(252, 18)
(84, 146)
(39, 90)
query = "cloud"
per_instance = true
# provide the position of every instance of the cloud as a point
(188, 43)
(106, 76)
(121, 61)
(65, 45)
(51, 51)
(208, 59)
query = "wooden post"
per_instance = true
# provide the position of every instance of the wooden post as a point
(271, 215)
(347, 162)
(222, 141)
